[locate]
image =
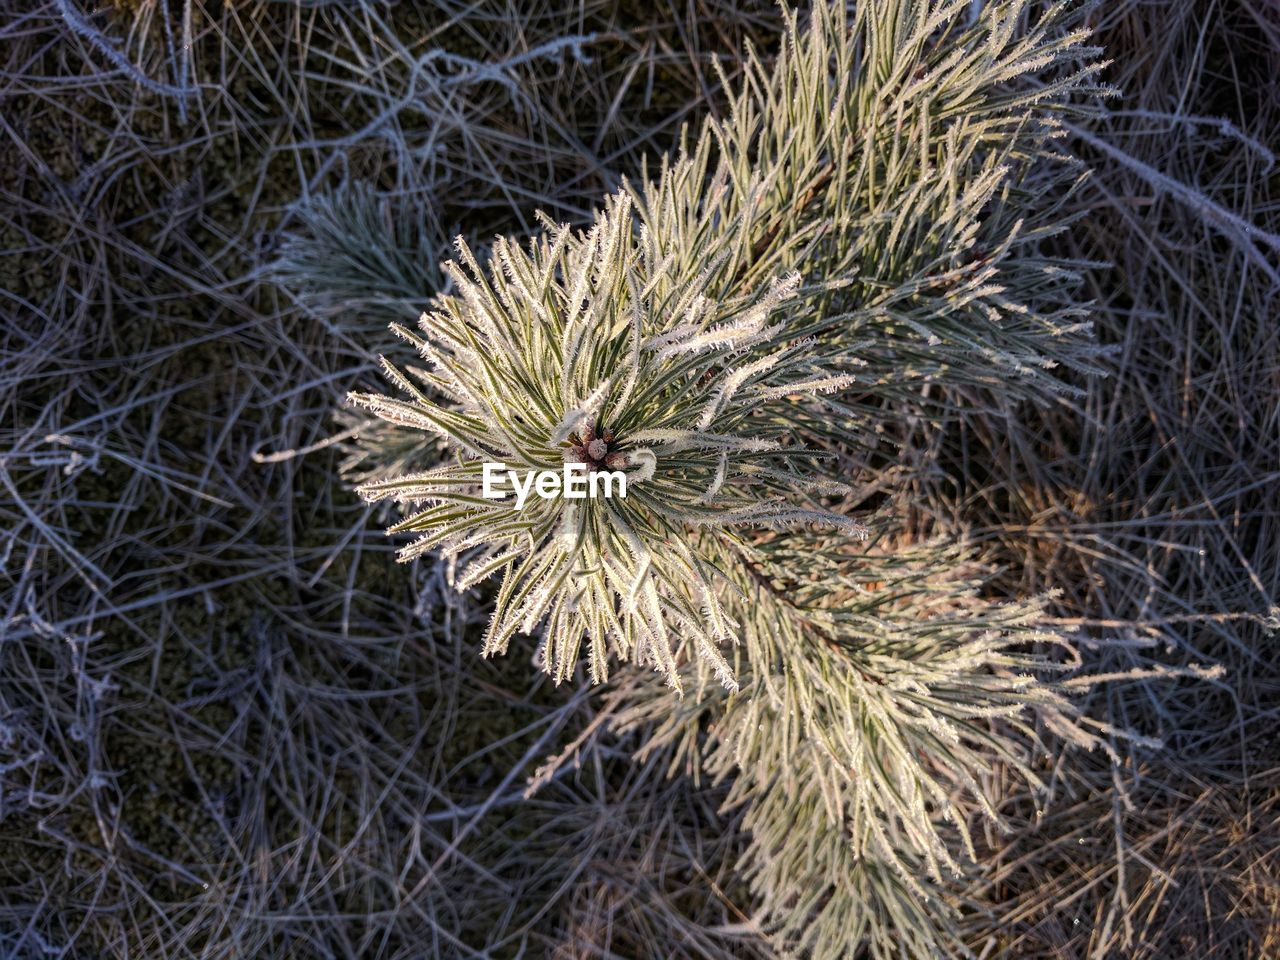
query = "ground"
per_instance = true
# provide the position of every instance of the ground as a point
(231, 725)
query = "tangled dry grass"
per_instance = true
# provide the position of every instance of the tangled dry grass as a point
(231, 727)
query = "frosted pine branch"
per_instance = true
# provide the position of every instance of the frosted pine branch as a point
(548, 356)
(848, 232)
(855, 245)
